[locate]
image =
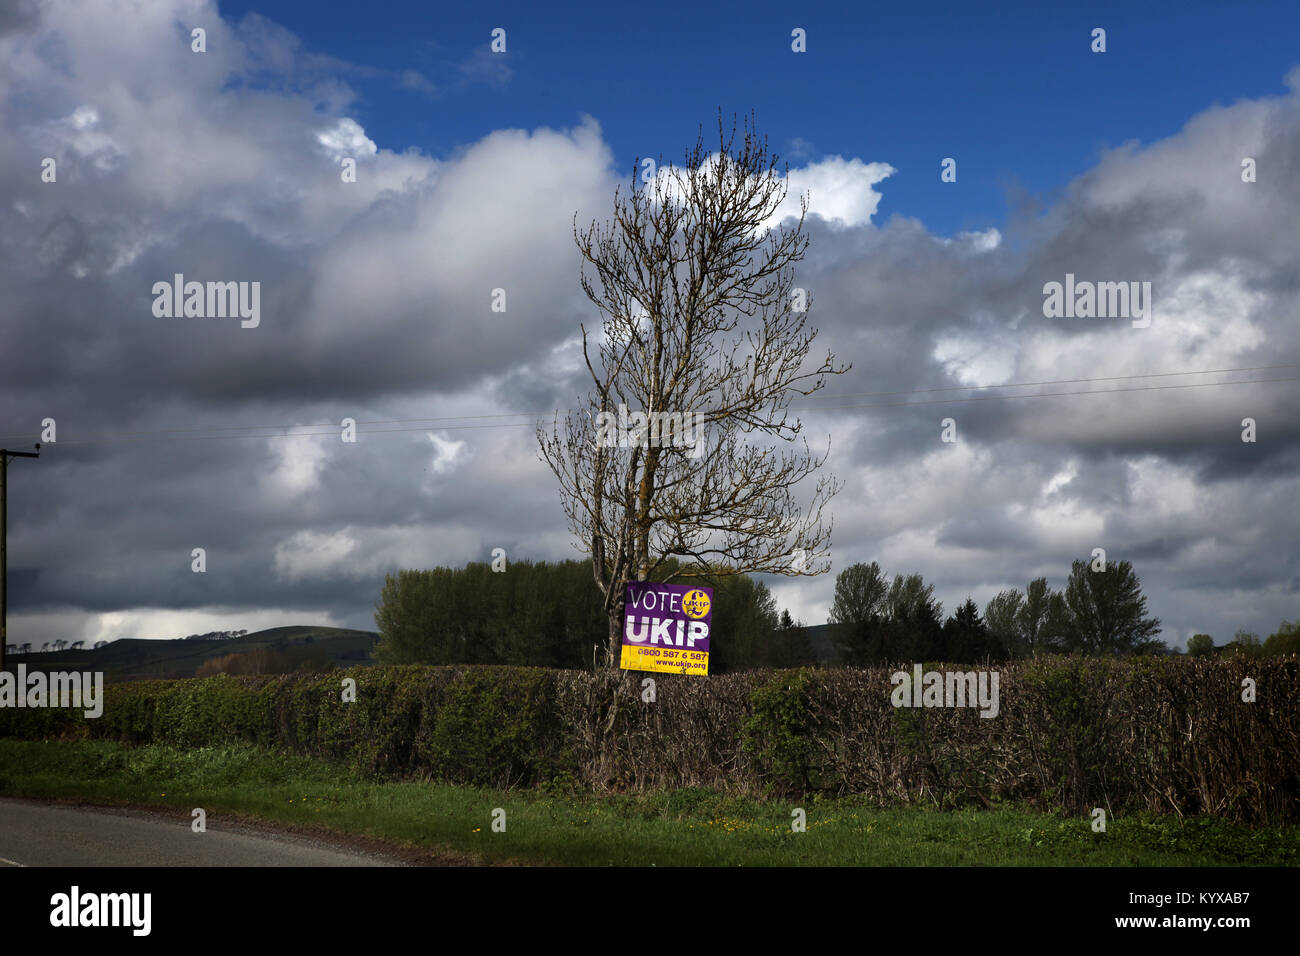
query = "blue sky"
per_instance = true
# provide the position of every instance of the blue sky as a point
(1011, 90)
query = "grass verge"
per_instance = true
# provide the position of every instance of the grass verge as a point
(690, 827)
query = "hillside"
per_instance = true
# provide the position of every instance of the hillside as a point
(135, 659)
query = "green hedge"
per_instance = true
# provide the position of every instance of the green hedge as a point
(1169, 735)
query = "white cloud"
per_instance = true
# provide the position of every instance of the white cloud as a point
(298, 466)
(347, 139)
(447, 453)
(977, 359)
(840, 191)
(313, 554)
(985, 241)
(82, 132)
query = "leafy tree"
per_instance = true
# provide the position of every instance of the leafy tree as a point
(1002, 617)
(543, 614)
(1200, 645)
(1107, 612)
(911, 598)
(261, 660)
(913, 629)
(860, 592)
(878, 622)
(858, 611)
(744, 621)
(1029, 623)
(408, 632)
(1286, 640)
(1044, 618)
(967, 639)
(1244, 643)
(790, 645)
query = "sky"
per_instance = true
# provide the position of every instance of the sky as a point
(174, 433)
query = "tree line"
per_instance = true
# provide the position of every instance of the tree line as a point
(551, 614)
(1286, 640)
(216, 636)
(1099, 612)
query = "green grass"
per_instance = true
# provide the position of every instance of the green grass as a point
(678, 828)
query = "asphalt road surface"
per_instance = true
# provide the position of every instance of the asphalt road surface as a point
(36, 834)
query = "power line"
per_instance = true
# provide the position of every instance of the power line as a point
(332, 425)
(1068, 381)
(1094, 391)
(333, 433)
(203, 433)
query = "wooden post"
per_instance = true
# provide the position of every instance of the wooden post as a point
(4, 548)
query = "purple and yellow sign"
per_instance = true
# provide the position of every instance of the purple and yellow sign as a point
(666, 628)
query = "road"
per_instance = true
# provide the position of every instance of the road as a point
(36, 834)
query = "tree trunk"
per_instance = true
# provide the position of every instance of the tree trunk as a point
(615, 635)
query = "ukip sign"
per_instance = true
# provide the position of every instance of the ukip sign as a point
(666, 628)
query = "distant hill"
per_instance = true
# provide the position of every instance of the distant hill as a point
(134, 659)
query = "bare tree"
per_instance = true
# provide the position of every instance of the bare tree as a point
(703, 341)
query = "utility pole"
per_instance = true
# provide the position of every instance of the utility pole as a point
(4, 547)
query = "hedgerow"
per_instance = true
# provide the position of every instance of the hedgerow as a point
(1156, 734)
